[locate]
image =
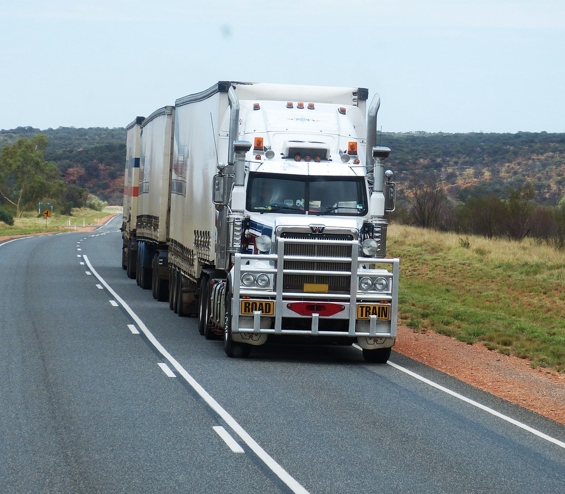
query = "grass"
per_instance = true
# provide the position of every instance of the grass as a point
(508, 295)
(32, 223)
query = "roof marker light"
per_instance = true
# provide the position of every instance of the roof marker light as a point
(290, 104)
(256, 106)
(311, 106)
(258, 144)
(300, 106)
(342, 110)
(352, 147)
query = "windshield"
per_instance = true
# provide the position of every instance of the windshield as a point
(301, 194)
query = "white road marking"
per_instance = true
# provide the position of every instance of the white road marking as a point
(99, 286)
(476, 404)
(78, 255)
(165, 368)
(81, 263)
(277, 469)
(114, 303)
(88, 273)
(512, 421)
(230, 441)
(133, 329)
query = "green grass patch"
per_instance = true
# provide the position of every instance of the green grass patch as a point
(508, 295)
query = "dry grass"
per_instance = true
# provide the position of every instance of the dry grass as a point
(508, 295)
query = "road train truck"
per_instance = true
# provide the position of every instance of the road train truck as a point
(261, 208)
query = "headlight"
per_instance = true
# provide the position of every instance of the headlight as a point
(370, 247)
(368, 284)
(365, 284)
(247, 279)
(381, 284)
(263, 280)
(263, 243)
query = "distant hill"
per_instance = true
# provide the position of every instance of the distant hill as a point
(92, 158)
(478, 163)
(466, 164)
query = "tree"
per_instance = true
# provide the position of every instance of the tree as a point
(25, 177)
(428, 201)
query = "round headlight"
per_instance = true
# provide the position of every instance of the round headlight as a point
(247, 279)
(381, 284)
(262, 280)
(365, 284)
(370, 247)
(263, 243)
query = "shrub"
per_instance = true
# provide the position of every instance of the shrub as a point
(6, 217)
(95, 203)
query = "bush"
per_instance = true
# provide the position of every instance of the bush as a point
(95, 203)
(6, 217)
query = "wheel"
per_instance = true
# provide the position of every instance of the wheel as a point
(131, 262)
(378, 356)
(154, 268)
(179, 297)
(172, 289)
(161, 288)
(124, 258)
(232, 349)
(204, 304)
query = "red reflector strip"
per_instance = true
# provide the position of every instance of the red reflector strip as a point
(309, 308)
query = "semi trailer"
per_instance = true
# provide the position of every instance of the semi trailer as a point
(262, 210)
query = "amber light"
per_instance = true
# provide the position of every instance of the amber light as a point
(311, 106)
(258, 144)
(289, 105)
(352, 147)
(256, 106)
(342, 110)
(300, 106)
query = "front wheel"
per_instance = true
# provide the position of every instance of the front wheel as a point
(378, 356)
(232, 348)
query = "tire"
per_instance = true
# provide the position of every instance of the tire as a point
(155, 276)
(162, 289)
(131, 262)
(179, 298)
(204, 304)
(232, 349)
(124, 262)
(172, 288)
(378, 356)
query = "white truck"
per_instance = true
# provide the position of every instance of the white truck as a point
(277, 225)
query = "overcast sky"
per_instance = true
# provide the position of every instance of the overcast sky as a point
(438, 65)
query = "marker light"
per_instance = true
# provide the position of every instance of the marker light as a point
(297, 157)
(352, 147)
(342, 110)
(256, 106)
(300, 106)
(311, 106)
(290, 104)
(258, 144)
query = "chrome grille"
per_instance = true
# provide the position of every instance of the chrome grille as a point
(316, 248)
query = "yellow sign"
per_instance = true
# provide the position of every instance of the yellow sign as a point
(365, 311)
(266, 307)
(47, 213)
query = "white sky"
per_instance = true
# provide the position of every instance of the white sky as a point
(438, 65)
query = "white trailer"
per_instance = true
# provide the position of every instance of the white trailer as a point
(131, 190)
(306, 262)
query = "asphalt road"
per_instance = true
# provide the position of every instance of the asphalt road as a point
(105, 390)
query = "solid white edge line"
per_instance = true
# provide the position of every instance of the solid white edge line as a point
(230, 441)
(512, 421)
(165, 368)
(278, 470)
